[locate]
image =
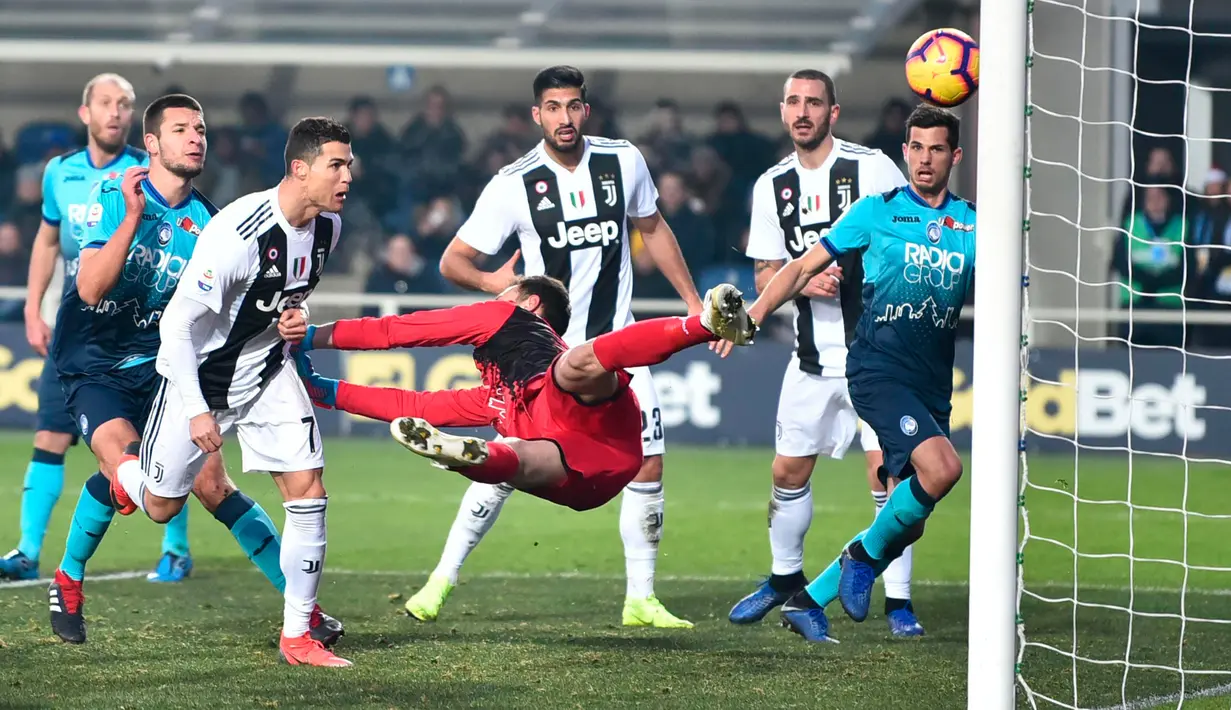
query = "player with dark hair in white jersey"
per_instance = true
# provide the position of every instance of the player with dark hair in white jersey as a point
(794, 204)
(223, 364)
(569, 202)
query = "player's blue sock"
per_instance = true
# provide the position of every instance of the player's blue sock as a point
(255, 533)
(90, 522)
(44, 483)
(908, 505)
(175, 537)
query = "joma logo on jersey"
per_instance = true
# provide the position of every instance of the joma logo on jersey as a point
(590, 234)
(278, 303)
(933, 266)
(803, 241)
(906, 219)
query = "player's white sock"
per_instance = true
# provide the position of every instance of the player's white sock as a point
(480, 507)
(641, 525)
(132, 480)
(790, 517)
(302, 559)
(897, 574)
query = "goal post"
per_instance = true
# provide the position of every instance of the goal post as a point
(997, 364)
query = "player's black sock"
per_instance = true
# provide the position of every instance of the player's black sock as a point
(856, 551)
(788, 582)
(801, 600)
(892, 605)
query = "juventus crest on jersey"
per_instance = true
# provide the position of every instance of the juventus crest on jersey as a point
(249, 266)
(572, 225)
(792, 209)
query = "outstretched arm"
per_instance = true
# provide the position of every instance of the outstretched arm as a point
(472, 324)
(466, 407)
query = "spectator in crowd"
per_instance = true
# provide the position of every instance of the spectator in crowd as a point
(515, 137)
(26, 210)
(262, 137)
(748, 154)
(891, 131)
(13, 264)
(436, 223)
(602, 120)
(1159, 168)
(375, 151)
(433, 144)
(665, 145)
(693, 230)
(1151, 262)
(1211, 287)
(8, 175)
(401, 271)
(228, 173)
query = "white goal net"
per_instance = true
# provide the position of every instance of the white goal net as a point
(1124, 595)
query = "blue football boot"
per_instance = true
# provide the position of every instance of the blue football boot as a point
(171, 568)
(855, 587)
(16, 565)
(903, 623)
(760, 602)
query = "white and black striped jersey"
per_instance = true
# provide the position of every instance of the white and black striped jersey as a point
(792, 208)
(249, 265)
(572, 225)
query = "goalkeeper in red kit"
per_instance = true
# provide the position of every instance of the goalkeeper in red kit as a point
(571, 426)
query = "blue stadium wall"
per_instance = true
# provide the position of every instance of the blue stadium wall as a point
(1163, 408)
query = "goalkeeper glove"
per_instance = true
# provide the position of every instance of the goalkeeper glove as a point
(322, 390)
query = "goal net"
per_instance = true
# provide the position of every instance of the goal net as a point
(1124, 592)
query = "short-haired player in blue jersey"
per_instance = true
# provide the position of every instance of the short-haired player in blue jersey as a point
(106, 110)
(140, 231)
(918, 246)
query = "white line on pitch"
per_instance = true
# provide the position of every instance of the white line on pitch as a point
(684, 578)
(1161, 700)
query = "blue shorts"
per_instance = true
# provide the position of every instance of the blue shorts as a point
(124, 394)
(52, 411)
(901, 419)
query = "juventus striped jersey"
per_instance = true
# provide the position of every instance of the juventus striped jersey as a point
(792, 209)
(572, 225)
(250, 264)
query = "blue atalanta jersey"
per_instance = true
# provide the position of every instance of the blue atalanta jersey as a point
(918, 263)
(68, 182)
(122, 330)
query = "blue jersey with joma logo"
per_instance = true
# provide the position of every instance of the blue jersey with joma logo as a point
(918, 263)
(122, 330)
(68, 182)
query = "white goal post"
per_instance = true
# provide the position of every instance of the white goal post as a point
(993, 475)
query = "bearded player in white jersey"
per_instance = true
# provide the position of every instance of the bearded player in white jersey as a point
(794, 204)
(569, 202)
(223, 365)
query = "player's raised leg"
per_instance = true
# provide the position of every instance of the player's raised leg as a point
(899, 610)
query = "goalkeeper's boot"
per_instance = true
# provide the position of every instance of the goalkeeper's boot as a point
(17, 565)
(307, 651)
(723, 315)
(171, 568)
(903, 623)
(426, 604)
(66, 601)
(445, 450)
(855, 586)
(809, 622)
(651, 612)
(324, 628)
(763, 600)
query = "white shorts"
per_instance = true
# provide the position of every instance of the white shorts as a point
(653, 439)
(277, 433)
(815, 415)
(867, 438)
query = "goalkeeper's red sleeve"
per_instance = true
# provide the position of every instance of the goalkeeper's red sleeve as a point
(442, 408)
(472, 324)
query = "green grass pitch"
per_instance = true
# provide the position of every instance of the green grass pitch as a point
(535, 623)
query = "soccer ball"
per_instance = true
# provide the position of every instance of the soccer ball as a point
(942, 67)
